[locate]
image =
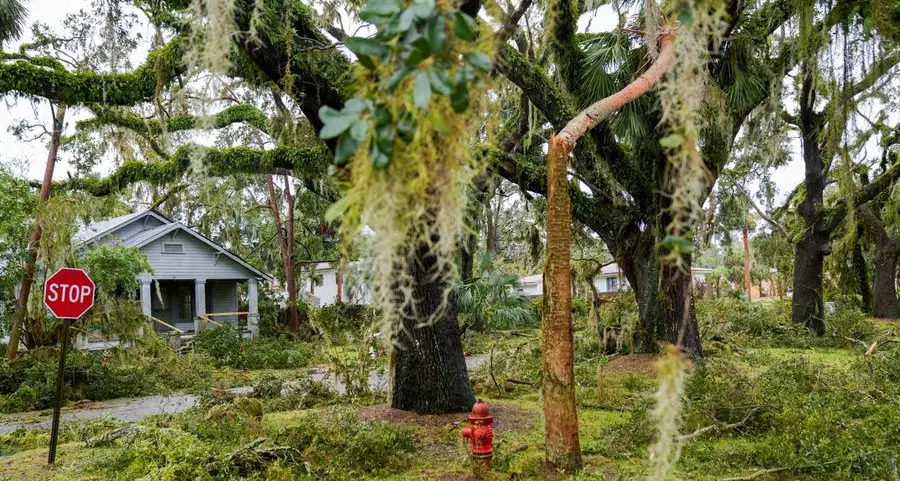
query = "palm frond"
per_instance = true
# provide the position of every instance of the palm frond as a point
(12, 20)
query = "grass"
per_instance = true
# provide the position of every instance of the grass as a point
(824, 412)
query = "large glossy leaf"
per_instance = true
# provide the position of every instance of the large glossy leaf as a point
(436, 33)
(336, 121)
(479, 60)
(379, 11)
(440, 82)
(464, 26)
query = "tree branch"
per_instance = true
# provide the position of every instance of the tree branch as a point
(765, 216)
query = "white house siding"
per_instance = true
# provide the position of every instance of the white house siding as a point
(326, 290)
(197, 262)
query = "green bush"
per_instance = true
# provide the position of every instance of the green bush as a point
(225, 347)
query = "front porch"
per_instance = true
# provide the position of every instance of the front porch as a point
(190, 305)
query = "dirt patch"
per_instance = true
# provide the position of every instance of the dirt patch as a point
(643, 364)
(507, 417)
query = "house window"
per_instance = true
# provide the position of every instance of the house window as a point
(173, 248)
(612, 284)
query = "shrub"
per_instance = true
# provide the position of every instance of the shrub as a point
(225, 347)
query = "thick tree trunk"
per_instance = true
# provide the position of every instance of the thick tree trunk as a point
(887, 254)
(807, 307)
(428, 369)
(664, 294)
(21, 311)
(748, 281)
(861, 271)
(885, 303)
(560, 415)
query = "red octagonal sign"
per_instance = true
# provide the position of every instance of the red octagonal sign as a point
(69, 293)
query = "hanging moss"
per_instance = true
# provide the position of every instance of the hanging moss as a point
(304, 162)
(35, 79)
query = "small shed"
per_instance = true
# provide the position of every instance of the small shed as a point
(194, 280)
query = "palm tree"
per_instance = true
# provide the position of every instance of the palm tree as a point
(491, 299)
(12, 20)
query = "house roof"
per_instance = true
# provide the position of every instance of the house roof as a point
(96, 231)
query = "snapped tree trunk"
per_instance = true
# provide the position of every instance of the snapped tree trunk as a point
(21, 311)
(560, 413)
(560, 416)
(428, 369)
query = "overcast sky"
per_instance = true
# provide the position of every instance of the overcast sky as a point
(27, 159)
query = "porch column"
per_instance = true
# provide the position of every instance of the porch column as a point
(146, 297)
(199, 303)
(253, 307)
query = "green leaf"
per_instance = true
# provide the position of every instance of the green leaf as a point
(359, 129)
(379, 11)
(479, 60)
(416, 56)
(406, 127)
(367, 50)
(346, 147)
(338, 209)
(336, 122)
(394, 80)
(459, 100)
(671, 141)
(356, 105)
(422, 8)
(436, 33)
(440, 82)
(677, 244)
(464, 26)
(422, 92)
(380, 160)
(405, 21)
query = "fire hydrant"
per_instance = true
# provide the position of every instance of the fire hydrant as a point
(481, 435)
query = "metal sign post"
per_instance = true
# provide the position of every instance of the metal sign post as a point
(68, 294)
(57, 405)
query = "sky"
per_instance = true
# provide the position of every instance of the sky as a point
(27, 158)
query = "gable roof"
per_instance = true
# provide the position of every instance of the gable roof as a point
(96, 231)
(151, 235)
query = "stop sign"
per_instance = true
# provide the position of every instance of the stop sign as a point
(69, 293)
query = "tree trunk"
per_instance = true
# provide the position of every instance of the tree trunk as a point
(428, 369)
(807, 306)
(664, 294)
(286, 243)
(748, 281)
(560, 414)
(21, 311)
(887, 253)
(861, 271)
(884, 296)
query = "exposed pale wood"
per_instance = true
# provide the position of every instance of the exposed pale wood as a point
(166, 324)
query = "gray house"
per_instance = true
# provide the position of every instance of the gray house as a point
(194, 280)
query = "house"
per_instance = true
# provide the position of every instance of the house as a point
(610, 280)
(331, 286)
(194, 280)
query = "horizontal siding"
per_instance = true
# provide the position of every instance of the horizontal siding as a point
(197, 262)
(223, 296)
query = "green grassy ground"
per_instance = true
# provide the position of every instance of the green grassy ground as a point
(773, 412)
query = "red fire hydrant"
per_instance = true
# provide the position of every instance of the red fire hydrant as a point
(480, 434)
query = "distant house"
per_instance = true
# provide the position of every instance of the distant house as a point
(332, 286)
(610, 280)
(194, 280)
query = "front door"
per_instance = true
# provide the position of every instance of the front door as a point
(183, 306)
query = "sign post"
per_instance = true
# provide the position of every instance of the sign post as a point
(68, 294)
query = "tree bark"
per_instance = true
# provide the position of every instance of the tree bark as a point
(428, 369)
(560, 413)
(21, 311)
(885, 303)
(807, 306)
(286, 242)
(861, 271)
(748, 281)
(664, 314)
